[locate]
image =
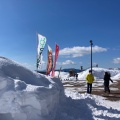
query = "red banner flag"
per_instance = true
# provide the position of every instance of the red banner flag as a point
(56, 57)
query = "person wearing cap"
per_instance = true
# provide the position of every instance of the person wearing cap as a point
(89, 79)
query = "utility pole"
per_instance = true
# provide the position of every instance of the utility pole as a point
(91, 43)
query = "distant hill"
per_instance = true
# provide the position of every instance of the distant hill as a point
(73, 69)
(63, 70)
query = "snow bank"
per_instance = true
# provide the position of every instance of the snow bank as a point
(97, 72)
(26, 95)
(62, 75)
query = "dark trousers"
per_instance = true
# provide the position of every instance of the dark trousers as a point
(89, 88)
(106, 88)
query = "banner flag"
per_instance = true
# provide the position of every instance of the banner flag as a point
(50, 61)
(56, 57)
(41, 44)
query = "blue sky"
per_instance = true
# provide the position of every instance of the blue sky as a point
(69, 23)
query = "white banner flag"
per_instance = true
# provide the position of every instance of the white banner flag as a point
(40, 47)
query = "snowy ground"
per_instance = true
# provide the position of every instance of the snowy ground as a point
(90, 107)
(26, 95)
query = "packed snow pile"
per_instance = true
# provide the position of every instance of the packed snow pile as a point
(26, 95)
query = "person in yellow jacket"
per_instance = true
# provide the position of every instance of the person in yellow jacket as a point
(89, 79)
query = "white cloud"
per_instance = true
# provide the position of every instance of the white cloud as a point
(58, 63)
(116, 48)
(67, 62)
(80, 51)
(116, 60)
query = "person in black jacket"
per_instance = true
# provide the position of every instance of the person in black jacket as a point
(76, 75)
(106, 82)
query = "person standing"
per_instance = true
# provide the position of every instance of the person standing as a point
(89, 79)
(76, 75)
(106, 82)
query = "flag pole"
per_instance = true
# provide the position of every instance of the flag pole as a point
(54, 59)
(47, 59)
(36, 50)
(59, 72)
(53, 67)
